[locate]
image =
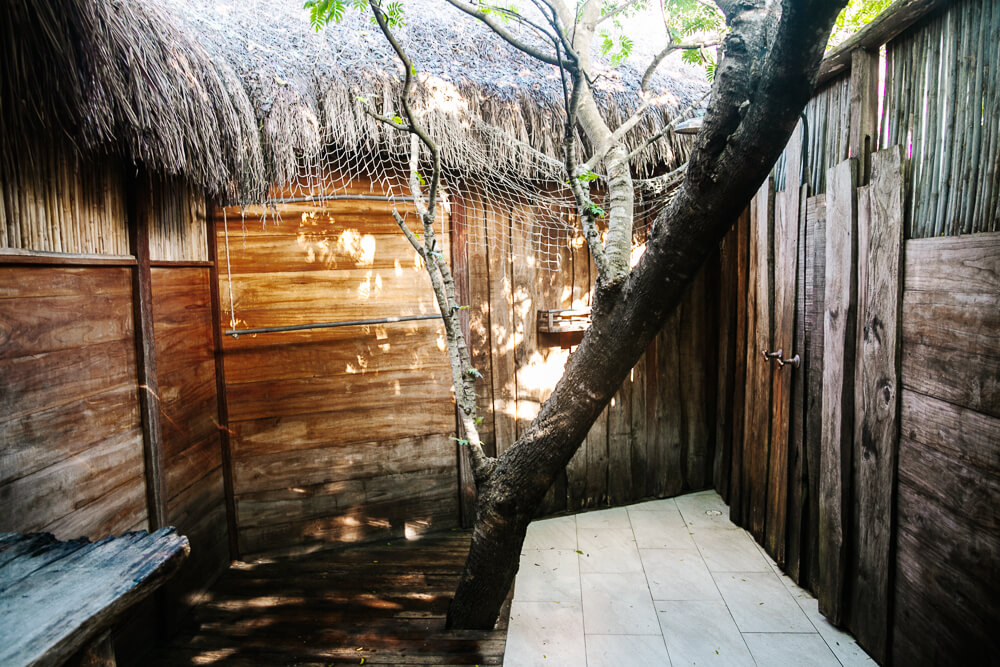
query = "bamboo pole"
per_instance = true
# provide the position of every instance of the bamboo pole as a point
(972, 165)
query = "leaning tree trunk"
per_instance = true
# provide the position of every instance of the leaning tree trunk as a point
(762, 84)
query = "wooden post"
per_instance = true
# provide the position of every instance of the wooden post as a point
(863, 134)
(460, 272)
(758, 411)
(840, 303)
(139, 211)
(876, 398)
(220, 385)
(785, 241)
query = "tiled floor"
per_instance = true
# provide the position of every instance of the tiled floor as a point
(666, 582)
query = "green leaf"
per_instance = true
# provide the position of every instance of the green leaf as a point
(587, 177)
(397, 119)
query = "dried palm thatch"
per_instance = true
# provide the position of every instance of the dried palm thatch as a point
(232, 94)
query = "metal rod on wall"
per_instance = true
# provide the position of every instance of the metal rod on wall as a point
(320, 198)
(235, 333)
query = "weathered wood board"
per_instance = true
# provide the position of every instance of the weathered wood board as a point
(876, 398)
(947, 533)
(185, 350)
(840, 303)
(785, 241)
(59, 596)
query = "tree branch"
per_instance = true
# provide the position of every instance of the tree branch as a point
(677, 119)
(618, 10)
(504, 34)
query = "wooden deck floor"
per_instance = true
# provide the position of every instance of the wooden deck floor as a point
(378, 604)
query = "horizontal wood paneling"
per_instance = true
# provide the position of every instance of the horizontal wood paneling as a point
(332, 429)
(948, 534)
(72, 455)
(185, 355)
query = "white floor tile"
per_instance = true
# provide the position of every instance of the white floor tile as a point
(654, 505)
(618, 650)
(842, 644)
(545, 633)
(660, 529)
(701, 633)
(678, 574)
(617, 604)
(548, 575)
(615, 518)
(790, 650)
(557, 533)
(728, 549)
(608, 550)
(586, 588)
(761, 603)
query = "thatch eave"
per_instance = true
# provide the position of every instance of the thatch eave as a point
(231, 95)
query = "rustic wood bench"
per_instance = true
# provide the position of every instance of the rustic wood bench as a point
(59, 600)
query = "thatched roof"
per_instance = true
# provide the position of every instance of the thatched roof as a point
(231, 93)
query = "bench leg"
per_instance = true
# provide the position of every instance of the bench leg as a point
(99, 653)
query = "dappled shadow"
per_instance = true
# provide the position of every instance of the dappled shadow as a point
(381, 603)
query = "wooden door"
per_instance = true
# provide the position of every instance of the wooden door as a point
(773, 356)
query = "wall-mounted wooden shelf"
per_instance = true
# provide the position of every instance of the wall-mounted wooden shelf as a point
(566, 320)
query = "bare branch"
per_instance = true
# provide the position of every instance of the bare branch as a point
(504, 34)
(669, 128)
(714, 39)
(617, 135)
(618, 10)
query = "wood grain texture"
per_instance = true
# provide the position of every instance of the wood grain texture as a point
(951, 328)
(299, 401)
(72, 457)
(840, 303)
(189, 412)
(812, 371)
(798, 486)
(758, 410)
(139, 214)
(49, 613)
(381, 603)
(460, 272)
(876, 399)
(741, 378)
(785, 242)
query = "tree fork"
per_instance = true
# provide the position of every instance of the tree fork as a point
(752, 114)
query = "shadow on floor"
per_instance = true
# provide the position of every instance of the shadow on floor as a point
(376, 604)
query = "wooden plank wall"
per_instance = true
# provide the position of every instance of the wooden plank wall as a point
(72, 454)
(903, 547)
(340, 434)
(947, 584)
(653, 439)
(71, 461)
(185, 351)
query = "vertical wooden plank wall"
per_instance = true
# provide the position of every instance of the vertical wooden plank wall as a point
(910, 566)
(657, 436)
(340, 434)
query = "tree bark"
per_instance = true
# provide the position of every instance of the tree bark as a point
(762, 84)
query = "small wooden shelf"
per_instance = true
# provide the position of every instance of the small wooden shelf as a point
(566, 320)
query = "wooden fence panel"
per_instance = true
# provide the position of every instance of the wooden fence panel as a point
(948, 534)
(840, 302)
(876, 398)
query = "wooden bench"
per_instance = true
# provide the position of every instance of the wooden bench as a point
(59, 600)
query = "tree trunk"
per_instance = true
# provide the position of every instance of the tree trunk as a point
(762, 84)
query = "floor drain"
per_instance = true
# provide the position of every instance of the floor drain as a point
(713, 512)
